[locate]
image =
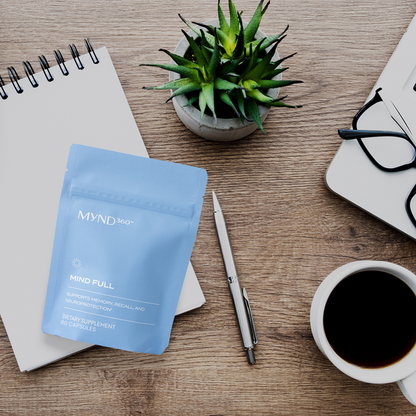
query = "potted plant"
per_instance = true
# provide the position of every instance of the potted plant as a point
(222, 66)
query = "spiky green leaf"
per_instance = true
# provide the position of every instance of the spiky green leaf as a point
(191, 101)
(259, 96)
(279, 103)
(191, 87)
(194, 29)
(241, 103)
(186, 72)
(234, 25)
(214, 61)
(210, 38)
(202, 103)
(210, 29)
(239, 44)
(257, 69)
(266, 42)
(206, 47)
(177, 83)
(254, 23)
(250, 84)
(284, 59)
(271, 39)
(229, 67)
(253, 110)
(179, 60)
(199, 56)
(223, 22)
(227, 100)
(254, 56)
(208, 91)
(270, 83)
(272, 69)
(269, 74)
(226, 42)
(223, 84)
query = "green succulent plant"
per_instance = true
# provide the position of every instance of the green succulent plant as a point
(228, 65)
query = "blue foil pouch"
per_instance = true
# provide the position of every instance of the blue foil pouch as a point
(124, 235)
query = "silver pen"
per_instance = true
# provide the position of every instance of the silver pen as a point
(240, 299)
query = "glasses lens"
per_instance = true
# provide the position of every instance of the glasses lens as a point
(388, 151)
(411, 206)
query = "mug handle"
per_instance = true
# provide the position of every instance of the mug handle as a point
(408, 388)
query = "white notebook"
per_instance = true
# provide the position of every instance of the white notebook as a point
(38, 124)
(353, 176)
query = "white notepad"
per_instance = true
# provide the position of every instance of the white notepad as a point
(37, 128)
(353, 176)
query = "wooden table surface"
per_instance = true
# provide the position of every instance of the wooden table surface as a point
(288, 231)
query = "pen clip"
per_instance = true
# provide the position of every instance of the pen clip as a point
(250, 316)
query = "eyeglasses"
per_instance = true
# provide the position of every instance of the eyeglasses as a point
(387, 149)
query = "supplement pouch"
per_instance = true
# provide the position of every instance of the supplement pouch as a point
(124, 235)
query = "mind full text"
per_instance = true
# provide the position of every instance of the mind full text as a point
(93, 282)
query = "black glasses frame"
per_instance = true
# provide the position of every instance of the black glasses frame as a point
(356, 134)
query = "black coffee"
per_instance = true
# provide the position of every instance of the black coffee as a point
(370, 319)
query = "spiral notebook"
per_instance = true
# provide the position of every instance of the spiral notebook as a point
(76, 101)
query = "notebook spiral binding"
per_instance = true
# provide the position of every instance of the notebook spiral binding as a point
(44, 64)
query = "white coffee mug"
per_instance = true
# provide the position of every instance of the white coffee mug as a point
(402, 371)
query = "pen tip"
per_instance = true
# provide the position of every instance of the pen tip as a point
(215, 202)
(250, 357)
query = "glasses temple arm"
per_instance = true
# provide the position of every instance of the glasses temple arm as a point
(350, 134)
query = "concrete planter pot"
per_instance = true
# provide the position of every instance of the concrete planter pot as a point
(225, 129)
